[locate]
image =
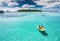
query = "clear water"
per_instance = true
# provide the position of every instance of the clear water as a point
(22, 26)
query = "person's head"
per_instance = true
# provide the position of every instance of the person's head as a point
(40, 26)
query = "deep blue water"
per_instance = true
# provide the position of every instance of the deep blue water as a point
(22, 26)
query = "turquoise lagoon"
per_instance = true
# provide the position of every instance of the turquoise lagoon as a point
(22, 26)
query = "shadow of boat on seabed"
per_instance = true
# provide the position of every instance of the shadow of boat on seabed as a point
(43, 33)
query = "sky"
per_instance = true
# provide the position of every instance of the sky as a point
(18, 4)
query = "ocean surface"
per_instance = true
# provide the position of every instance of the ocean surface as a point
(23, 26)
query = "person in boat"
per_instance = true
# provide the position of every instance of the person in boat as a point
(41, 27)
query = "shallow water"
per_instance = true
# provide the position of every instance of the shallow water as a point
(22, 26)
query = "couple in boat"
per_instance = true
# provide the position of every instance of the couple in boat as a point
(41, 28)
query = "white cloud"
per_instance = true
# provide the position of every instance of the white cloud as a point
(9, 9)
(9, 3)
(5, 0)
(47, 3)
(31, 6)
(12, 4)
(27, 6)
(0, 3)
